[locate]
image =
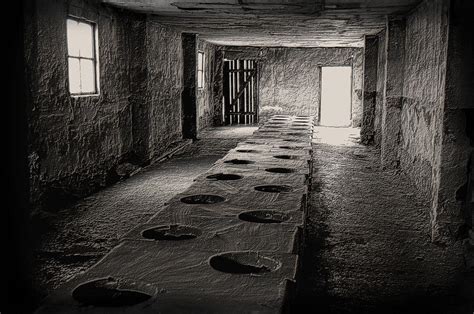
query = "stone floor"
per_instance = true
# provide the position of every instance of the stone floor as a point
(79, 235)
(368, 248)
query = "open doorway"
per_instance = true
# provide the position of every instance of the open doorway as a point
(335, 109)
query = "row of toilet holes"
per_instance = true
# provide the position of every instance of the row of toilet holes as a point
(112, 292)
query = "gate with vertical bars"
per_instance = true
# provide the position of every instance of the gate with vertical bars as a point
(240, 92)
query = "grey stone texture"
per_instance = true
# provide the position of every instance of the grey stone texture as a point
(367, 131)
(379, 98)
(392, 104)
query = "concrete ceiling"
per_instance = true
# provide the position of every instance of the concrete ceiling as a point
(274, 23)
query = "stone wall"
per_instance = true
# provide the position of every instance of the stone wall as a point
(453, 202)
(370, 89)
(164, 87)
(424, 93)
(205, 96)
(380, 89)
(290, 78)
(436, 132)
(76, 143)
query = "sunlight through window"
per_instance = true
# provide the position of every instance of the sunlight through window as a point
(82, 57)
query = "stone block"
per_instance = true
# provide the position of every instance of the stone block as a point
(161, 277)
(270, 195)
(219, 233)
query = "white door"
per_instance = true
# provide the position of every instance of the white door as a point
(336, 96)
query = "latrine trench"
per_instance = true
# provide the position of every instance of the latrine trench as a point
(239, 226)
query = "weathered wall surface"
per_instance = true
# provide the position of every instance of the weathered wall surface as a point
(453, 202)
(436, 131)
(164, 86)
(380, 89)
(370, 89)
(76, 143)
(393, 93)
(290, 78)
(218, 86)
(423, 91)
(205, 96)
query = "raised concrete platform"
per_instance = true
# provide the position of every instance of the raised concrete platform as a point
(228, 244)
(165, 277)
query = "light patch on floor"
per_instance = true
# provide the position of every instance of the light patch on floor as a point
(336, 136)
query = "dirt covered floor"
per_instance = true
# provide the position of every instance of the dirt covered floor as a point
(76, 237)
(368, 246)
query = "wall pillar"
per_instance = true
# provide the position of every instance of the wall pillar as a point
(188, 97)
(370, 89)
(392, 103)
(138, 91)
(217, 86)
(452, 202)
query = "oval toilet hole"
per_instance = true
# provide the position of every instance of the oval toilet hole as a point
(280, 170)
(264, 216)
(244, 263)
(111, 292)
(202, 199)
(239, 162)
(290, 147)
(174, 232)
(224, 176)
(272, 188)
(295, 134)
(299, 129)
(278, 126)
(247, 151)
(286, 157)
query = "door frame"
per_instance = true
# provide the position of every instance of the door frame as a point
(228, 87)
